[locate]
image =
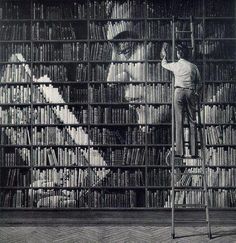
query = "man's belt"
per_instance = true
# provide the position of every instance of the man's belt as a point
(178, 87)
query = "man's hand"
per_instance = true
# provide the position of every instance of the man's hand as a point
(163, 53)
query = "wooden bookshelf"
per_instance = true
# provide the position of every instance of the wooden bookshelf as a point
(85, 104)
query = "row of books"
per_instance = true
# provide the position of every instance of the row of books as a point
(61, 177)
(220, 29)
(170, 8)
(216, 177)
(123, 72)
(159, 177)
(70, 93)
(20, 31)
(220, 92)
(220, 8)
(14, 198)
(115, 9)
(220, 113)
(157, 198)
(117, 71)
(15, 135)
(219, 50)
(219, 71)
(109, 30)
(155, 29)
(114, 115)
(220, 198)
(6, 51)
(108, 136)
(124, 156)
(60, 198)
(221, 156)
(156, 93)
(117, 177)
(99, 9)
(15, 94)
(15, 177)
(15, 115)
(14, 73)
(154, 114)
(58, 135)
(57, 73)
(14, 10)
(160, 29)
(121, 199)
(63, 73)
(220, 134)
(47, 114)
(100, 51)
(66, 52)
(54, 31)
(221, 177)
(82, 199)
(59, 156)
(72, 10)
(15, 156)
(161, 135)
(116, 93)
(63, 198)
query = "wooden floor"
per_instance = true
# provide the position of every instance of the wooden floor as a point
(113, 234)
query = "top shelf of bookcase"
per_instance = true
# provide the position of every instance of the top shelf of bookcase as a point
(117, 19)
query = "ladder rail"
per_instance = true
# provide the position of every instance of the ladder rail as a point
(201, 129)
(203, 150)
(173, 138)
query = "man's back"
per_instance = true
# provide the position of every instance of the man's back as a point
(186, 73)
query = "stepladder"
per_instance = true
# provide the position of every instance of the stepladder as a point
(188, 173)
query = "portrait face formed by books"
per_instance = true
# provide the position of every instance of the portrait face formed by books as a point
(100, 102)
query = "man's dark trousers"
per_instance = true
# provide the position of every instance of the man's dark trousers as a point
(185, 100)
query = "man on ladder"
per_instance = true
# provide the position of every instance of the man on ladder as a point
(186, 98)
(187, 81)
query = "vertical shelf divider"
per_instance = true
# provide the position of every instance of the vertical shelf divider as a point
(88, 104)
(31, 106)
(146, 104)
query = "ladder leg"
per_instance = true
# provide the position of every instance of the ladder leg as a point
(203, 150)
(172, 140)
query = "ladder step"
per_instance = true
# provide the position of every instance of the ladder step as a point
(191, 221)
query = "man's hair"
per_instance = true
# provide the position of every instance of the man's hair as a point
(182, 50)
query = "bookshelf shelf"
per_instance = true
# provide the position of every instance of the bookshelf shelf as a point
(24, 62)
(220, 60)
(14, 83)
(221, 39)
(15, 20)
(14, 41)
(16, 104)
(58, 62)
(60, 41)
(59, 20)
(96, 103)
